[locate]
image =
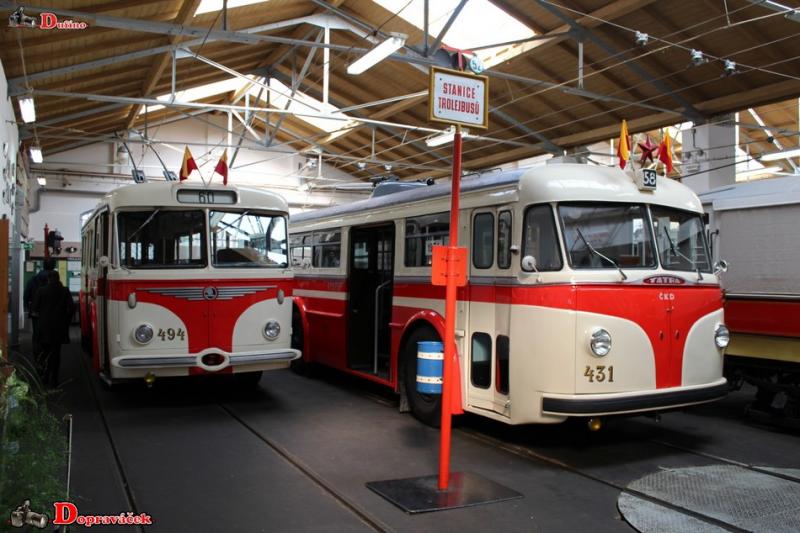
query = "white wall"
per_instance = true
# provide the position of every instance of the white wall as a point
(9, 140)
(75, 179)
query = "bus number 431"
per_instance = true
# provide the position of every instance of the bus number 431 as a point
(599, 373)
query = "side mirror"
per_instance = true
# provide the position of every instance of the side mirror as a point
(103, 261)
(720, 266)
(529, 264)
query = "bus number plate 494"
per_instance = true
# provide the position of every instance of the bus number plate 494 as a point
(599, 373)
(170, 334)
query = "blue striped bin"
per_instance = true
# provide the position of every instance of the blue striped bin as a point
(430, 361)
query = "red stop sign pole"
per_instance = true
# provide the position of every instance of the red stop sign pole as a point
(451, 291)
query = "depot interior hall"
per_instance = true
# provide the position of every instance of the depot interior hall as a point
(253, 210)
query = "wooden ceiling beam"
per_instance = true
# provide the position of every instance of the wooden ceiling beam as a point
(186, 12)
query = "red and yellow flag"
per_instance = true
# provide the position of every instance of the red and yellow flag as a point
(188, 164)
(222, 167)
(624, 148)
(665, 151)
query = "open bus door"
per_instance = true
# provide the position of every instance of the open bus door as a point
(369, 307)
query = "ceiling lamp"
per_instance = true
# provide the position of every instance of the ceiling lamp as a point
(377, 54)
(785, 154)
(36, 153)
(445, 137)
(27, 109)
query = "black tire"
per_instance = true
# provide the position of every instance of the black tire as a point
(248, 380)
(427, 408)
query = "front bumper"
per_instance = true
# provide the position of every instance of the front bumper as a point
(240, 361)
(632, 402)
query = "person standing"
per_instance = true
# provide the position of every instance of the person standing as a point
(54, 306)
(34, 284)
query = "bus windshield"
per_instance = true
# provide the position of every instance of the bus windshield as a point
(680, 239)
(248, 239)
(161, 238)
(607, 235)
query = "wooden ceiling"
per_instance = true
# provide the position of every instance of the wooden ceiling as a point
(535, 107)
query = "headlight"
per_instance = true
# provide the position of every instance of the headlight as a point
(722, 337)
(272, 330)
(143, 334)
(600, 343)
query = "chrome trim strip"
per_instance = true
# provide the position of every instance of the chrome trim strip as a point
(186, 360)
(261, 358)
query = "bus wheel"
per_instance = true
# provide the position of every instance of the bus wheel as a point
(248, 380)
(427, 408)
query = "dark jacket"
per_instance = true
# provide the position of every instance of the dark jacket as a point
(54, 306)
(34, 284)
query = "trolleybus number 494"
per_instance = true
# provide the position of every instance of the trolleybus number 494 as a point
(599, 373)
(170, 334)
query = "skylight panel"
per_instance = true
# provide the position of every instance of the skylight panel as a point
(197, 93)
(480, 23)
(207, 6)
(303, 103)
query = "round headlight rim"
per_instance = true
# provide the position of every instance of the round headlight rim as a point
(276, 326)
(594, 340)
(722, 332)
(145, 326)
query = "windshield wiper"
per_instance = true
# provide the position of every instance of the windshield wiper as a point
(677, 252)
(591, 249)
(146, 222)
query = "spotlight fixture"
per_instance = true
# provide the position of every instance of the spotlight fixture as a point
(27, 109)
(36, 153)
(361, 165)
(642, 38)
(697, 57)
(377, 54)
(387, 167)
(730, 67)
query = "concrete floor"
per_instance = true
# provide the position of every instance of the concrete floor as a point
(296, 453)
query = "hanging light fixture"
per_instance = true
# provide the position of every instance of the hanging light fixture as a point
(36, 153)
(377, 54)
(27, 109)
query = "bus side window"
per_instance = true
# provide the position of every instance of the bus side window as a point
(539, 238)
(504, 239)
(483, 240)
(327, 248)
(422, 234)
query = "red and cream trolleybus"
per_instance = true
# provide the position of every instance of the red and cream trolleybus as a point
(586, 295)
(180, 279)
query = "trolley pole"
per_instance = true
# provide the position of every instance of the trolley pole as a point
(451, 294)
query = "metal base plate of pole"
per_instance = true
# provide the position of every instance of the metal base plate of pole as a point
(422, 495)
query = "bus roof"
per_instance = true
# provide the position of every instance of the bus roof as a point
(164, 194)
(541, 184)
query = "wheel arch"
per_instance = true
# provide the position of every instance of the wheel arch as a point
(422, 319)
(299, 305)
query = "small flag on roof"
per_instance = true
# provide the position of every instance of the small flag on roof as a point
(624, 148)
(665, 151)
(188, 164)
(222, 167)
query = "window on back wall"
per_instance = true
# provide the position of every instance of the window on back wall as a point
(422, 234)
